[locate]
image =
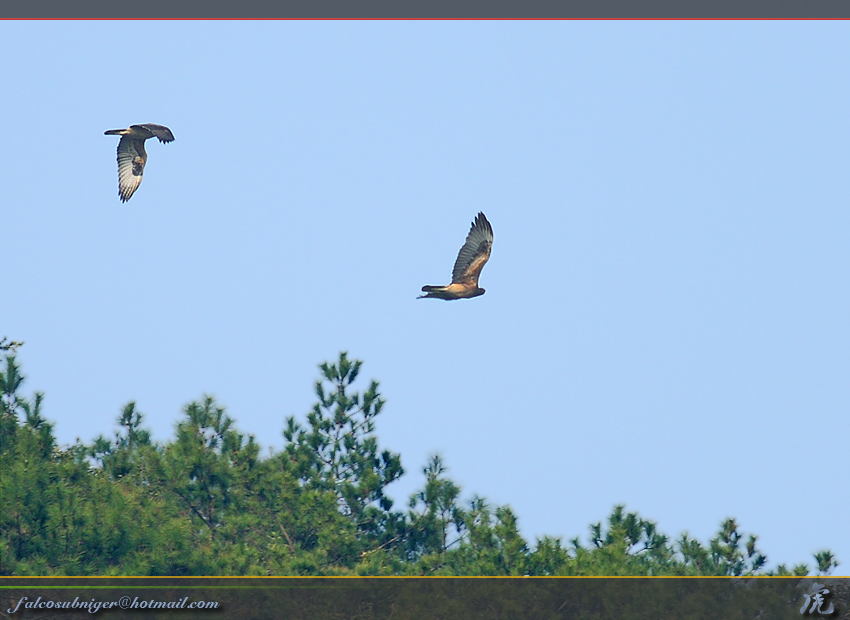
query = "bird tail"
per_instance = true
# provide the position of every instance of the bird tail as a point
(429, 290)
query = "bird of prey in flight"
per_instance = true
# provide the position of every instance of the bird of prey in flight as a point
(470, 261)
(132, 156)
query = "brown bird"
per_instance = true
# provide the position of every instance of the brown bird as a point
(470, 261)
(132, 156)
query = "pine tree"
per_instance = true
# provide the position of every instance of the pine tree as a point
(435, 517)
(338, 451)
(205, 503)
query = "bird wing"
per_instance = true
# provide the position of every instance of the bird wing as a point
(131, 166)
(475, 252)
(162, 132)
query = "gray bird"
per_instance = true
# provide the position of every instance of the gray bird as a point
(132, 156)
(470, 261)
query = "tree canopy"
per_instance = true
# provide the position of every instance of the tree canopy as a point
(206, 503)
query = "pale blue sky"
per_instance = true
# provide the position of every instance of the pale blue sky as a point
(666, 317)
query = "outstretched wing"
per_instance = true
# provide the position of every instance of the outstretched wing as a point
(475, 252)
(131, 166)
(162, 132)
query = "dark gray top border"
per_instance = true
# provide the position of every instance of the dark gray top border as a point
(431, 10)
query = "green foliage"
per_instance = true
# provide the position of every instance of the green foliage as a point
(724, 555)
(118, 458)
(12, 405)
(9, 346)
(436, 521)
(205, 503)
(339, 452)
(826, 562)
